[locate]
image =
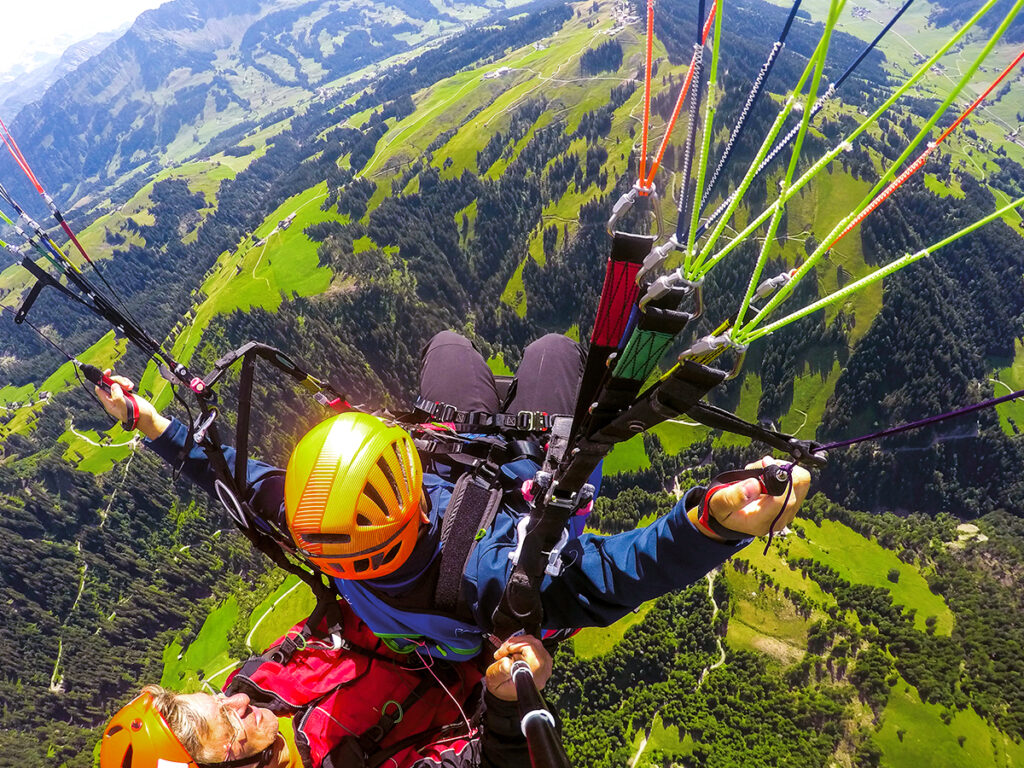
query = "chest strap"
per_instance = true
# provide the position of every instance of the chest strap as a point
(474, 504)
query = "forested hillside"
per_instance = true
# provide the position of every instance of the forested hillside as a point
(241, 172)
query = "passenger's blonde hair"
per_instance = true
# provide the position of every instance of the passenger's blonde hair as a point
(186, 722)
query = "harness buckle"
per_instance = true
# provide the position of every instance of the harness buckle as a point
(526, 421)
(448, 412)
(480, 419)
(487, 471)
(555, 564)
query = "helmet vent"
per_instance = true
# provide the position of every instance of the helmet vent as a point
(361, 565)
(327, 538)
(404, 462)
(390, 477)
(370, 492)
(127, 761)
(363, 520)
(114, 729)
(392, 553)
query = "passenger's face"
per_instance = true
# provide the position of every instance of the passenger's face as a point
(237, 729)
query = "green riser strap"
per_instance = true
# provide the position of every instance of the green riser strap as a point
(642, 353)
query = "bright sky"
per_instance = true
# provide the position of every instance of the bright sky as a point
(30, 28)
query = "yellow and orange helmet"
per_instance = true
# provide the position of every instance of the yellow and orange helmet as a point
(352, 496)
(139, 737)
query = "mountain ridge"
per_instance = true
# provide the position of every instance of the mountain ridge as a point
(419, 198)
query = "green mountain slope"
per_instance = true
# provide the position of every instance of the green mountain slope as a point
(465, 183)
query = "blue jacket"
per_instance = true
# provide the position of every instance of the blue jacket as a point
(603, 577)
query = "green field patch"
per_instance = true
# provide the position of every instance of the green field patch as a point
(498, 365)
(750, 397)
(677, 434)
(460, 152)
(413, 187)
(359, 119)
(364, 244)
(764, 620)
(550, 72)
(208, 183)
(514, 295)
(913, 734)
(495, 171)
(597, 641)
(493, 92)
(260, 141)
(12, 394)
(97, 452)
(103, 354)
(441, 107)
(665, 739)
(1006, 380)
(278, 264)
(627, 456)
(1014, 218)
(289, 604)
(465, 220)
(933, 185)
(811, 393)
(206, 659)
(203, 177)
(272, 265)
(865, 561)
(817, 210)
(773, 564)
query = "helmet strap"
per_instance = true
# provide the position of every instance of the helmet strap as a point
(259, 760)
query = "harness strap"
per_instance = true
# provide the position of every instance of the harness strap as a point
(390, 717)
(43, 280)
(474, 504)
(431, 736)
(479, 421)
(482, 455)
(365, 751)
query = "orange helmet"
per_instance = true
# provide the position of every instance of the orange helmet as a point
(139, 737)
(352, 496)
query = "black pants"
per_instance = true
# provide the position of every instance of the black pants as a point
(453, 372)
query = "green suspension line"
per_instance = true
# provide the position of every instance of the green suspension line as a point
(879, 274)
(705, 150)
(773, 226)
(740, 333)
(695, 270)
(832, 154)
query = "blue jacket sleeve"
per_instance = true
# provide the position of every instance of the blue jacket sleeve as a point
(264, 482)
(606, 577)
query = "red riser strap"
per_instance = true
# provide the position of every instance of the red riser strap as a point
(617, 298)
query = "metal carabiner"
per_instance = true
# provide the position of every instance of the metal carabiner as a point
(708, 348)
(199, 434)
(772, 284)
(626, 202)
(667, 283)
(657, 257)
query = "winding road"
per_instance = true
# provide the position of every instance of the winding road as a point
(703, 675)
